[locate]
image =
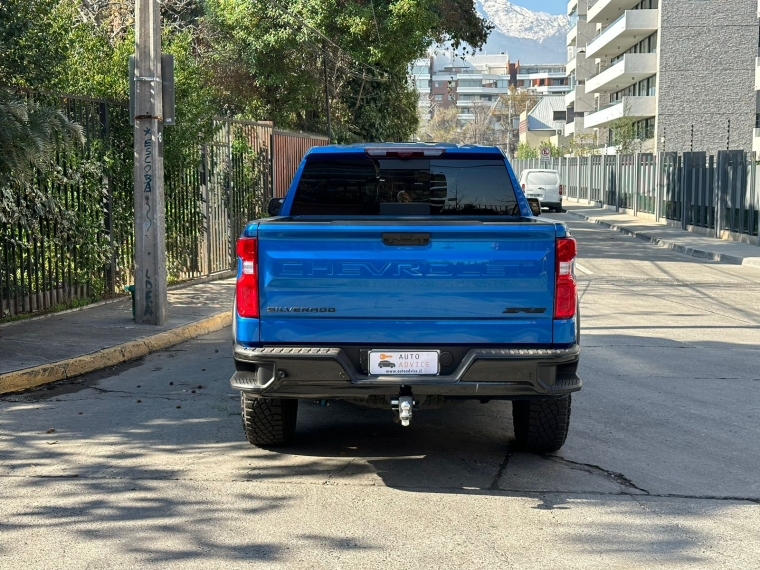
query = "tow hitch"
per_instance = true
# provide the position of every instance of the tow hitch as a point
(404, 406)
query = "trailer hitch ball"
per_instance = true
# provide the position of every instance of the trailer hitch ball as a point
(404, 405)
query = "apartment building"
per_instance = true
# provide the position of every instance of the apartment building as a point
(684, 70)
(545, 80)
(579, 69)
(446, 80)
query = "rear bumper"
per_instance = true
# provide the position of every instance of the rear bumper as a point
(322, 372)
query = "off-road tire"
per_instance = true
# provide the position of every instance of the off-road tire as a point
(541, 425)
(268, 421)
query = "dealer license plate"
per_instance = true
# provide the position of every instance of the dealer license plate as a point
(403, 363)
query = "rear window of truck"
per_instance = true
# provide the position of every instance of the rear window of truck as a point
(367, 186)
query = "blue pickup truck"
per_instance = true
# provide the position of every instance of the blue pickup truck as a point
(406, 275)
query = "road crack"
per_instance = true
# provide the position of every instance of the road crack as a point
(502, 468)
(417, 488)
(619, 478)
(329, 481)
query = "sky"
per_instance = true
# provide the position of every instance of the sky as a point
(551, 6)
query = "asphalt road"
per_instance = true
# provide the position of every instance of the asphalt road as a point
(148, 465)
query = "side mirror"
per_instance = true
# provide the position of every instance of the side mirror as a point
(275, 205)
(535, 206)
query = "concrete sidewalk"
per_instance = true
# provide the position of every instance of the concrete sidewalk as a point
(65, 345)
(666, 236)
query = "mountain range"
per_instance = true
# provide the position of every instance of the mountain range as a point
(526, 35)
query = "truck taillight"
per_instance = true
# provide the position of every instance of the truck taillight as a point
(565, 288)
(247, 282)
(561, 189)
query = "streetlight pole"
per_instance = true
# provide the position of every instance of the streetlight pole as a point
(150, 226)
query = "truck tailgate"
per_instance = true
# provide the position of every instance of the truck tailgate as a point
(349, 282)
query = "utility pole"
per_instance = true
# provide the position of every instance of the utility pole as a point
(150, 226)
(327, 93)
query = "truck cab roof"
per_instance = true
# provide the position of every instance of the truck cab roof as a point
(446, 148)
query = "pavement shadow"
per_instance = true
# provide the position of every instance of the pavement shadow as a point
(173, 418)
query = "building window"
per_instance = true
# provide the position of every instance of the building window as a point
(437, 83)
(560, 115)
(439, 97)
(644, 129)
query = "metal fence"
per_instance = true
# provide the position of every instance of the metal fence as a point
(714, 195)
(212, 189)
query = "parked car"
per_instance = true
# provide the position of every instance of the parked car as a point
(406, 275)
(544, 185)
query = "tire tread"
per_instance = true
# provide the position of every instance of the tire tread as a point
(541, 425)
(268, 421)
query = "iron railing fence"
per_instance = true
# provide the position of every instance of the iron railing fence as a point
(716, 195)
(212, 188)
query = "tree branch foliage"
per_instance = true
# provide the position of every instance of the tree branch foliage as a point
(254, 59)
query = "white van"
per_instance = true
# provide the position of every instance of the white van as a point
(544, 185)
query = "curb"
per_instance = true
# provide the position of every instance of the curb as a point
(24, 379)
(690, 251)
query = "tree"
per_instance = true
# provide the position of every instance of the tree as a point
(556, 151)
(524, 150)
(583, 144)
(271, 56)
(483, 128)
(511, 106)
(34, 42)
(624, 133)
(30, 136)
(517, 101)
(442, 127)
(33, 50)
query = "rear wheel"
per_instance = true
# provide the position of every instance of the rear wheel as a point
(541, 425)
(268, 421)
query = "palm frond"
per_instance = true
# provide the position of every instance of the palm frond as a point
(30, 136)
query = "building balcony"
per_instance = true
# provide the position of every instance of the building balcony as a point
(550, 89)
(635, 107)
(572, 65)
(474, 103)
(632, 68)
(482, 90)
(570, 97)
(572, 6)
(606, 11)
(542, 75)
(624, 33)
(578, 92)
(572, 35)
